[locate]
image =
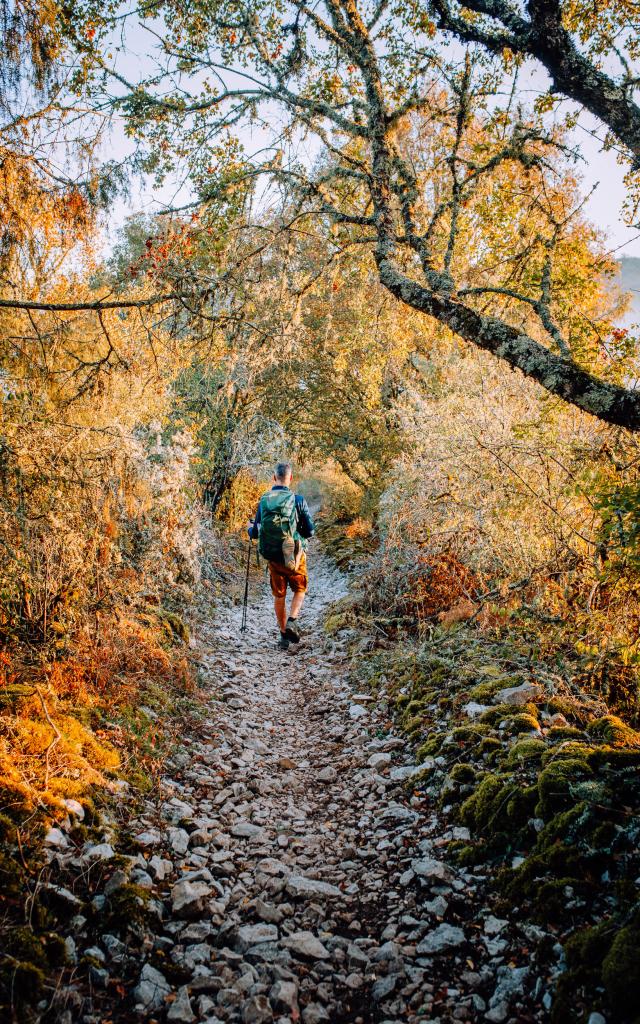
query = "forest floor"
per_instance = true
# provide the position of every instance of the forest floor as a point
(285, 867)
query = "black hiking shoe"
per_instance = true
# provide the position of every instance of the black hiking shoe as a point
(284, 642)
(292, 632)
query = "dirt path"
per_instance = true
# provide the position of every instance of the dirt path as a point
(289, 872)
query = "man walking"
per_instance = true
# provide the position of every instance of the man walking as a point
(283, 524)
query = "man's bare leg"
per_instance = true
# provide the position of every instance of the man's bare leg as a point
(280, 606)
(296, 604)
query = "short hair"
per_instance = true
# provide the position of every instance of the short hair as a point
(283, 470)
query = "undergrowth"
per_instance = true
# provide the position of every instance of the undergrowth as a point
(74, 732)
(549, 788)
(82, 725)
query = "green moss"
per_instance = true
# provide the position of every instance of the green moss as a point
(178, 628)
(8, 832)
(139, 780)
(23, 944)
(627, 893)
(564, 732)
(437, 676)
(621, 971)
(507, 712)
(462, 773)
(529, 709)
(419, 778)
(12, 877)
(541, 883)
(430, 747)
(13, 799)
(11, 696)
(604, 835)
(489, 745)
(86, 716)
(613, 757)
(494, 715)
(468, 733)
(499, 809)
(562, 828)
(413, 708)
(127, 906)
(589, 946)
(555, 784)
(336, 621)
(521, 723)
(569, 751)
(483, 692)
(414, 726)
(614, 732)
(584, 951)
(477, 810)
(526, 752)
(469, 854)
(550, 899)
(21, 983)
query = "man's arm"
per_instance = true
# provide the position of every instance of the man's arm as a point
(306, 525)
(253, 527)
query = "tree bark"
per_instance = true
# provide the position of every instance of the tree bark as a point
(545, 38)
(561, 377)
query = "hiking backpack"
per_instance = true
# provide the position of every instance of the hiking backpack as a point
(278, 540)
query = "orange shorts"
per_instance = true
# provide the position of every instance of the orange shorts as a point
(280, 576)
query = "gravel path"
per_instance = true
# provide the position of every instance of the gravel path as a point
(291, 873)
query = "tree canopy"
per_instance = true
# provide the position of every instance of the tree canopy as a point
(416, 147)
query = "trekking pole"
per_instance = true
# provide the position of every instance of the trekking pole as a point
(243, 627)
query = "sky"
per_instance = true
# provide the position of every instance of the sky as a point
(598, 169)
(604, 207)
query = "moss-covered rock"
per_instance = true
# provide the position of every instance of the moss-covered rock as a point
(565, 799)
(520, 723)
(499, 810)
(613, 731)
(555, 785)
(430, 747)
(21, 984)
(462, 774)
(126, 908)
(528, 751)
(615, 758)
(584, 952)
(621, 971)
(564, 732)
(490, 745)
(414, 726)
(485, 691)
(571, 750)
(469, 733)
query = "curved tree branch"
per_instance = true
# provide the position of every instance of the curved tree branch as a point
(558, 375)
(97, 306)
(545, 38)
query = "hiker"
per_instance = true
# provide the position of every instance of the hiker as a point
(283, 524)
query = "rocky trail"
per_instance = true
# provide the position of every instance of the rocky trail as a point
(286, 869)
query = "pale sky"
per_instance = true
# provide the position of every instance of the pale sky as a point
(604, 207)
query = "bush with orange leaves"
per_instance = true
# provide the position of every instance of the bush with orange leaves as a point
(100, 552)
(413, 587)
(436, 584)
(107, 709)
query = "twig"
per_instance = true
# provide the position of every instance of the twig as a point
(56, 739)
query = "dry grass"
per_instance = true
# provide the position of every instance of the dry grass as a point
(71, 724)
